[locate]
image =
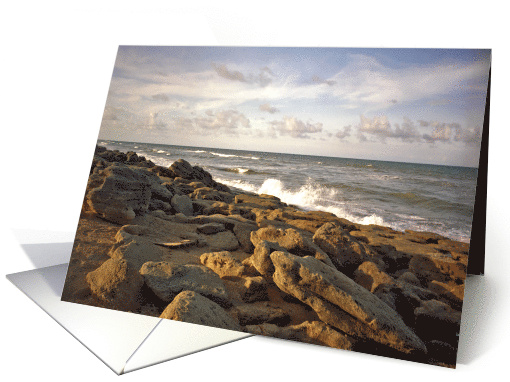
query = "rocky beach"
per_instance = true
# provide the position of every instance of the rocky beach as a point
(174, 243)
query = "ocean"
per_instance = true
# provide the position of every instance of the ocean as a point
(402, 196)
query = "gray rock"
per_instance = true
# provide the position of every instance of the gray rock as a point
(340, 302)
(189, 306)
(167, 280)
(121, 193)
(222, 263)
(183, 204)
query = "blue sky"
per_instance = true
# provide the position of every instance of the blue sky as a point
(409, 105)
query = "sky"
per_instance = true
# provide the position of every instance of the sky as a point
(406, 105)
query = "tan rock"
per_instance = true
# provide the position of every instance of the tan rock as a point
(116, 284)
(192, 307)
(314, 332)
(167, 280)
(340, 302)
(258, 313)
(370, 277)
(343, 249)
(222, 241)
(292, 241)
(222, 263)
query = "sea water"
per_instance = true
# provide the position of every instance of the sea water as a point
(402, 196)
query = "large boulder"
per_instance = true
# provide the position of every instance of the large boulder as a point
(116, 284)
(192, 307)
(123, 192)
(340, 302)
(222, 263)
(167, 280)
(183, 169)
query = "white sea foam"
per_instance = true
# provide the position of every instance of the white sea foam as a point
(232, 156)
(196, 151)
(308, 197)
(161, 151)
(223, 155)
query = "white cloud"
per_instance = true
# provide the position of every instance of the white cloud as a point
(268, 108)
(294, 127)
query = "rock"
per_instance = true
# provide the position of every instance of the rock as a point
(222, 263)
(192, 307)
(208, 193)
(344, 250)
(116, 284)
(167, 280)
(436, 320)
(256, 289)
(340, 302)
(442, 352)
(136, 252)
(314, 332)
(122, 194)
(401, 300)
(222, 241)
(183, 169)
(156, 204)
(410, 278)
(258, 313)
(425, 269)
(292, 241)
(242, 232)
(210, 228)
(370, 277)
(261, 257)
(453, 294)
(183, 204)
(259, 201)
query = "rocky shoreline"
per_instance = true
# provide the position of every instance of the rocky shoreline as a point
(174, 243)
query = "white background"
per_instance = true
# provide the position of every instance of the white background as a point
(56, 62)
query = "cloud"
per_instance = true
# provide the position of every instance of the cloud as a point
(294, 127)
(381, 129)
(160, 97)
(268, 108)
(154, 122)
(233, 75)
(344, 133)
(262, 78)
(226, 121)
(319, 80)
(367, 84)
